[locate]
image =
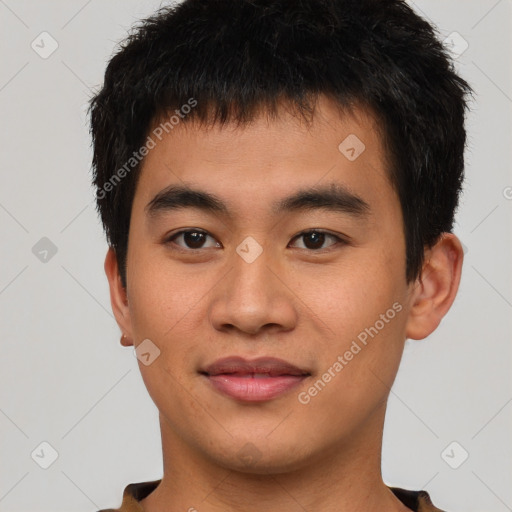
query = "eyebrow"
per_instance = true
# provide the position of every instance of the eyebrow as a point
(331, 197)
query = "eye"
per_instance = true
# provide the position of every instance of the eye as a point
(192, 239)
(314, 239)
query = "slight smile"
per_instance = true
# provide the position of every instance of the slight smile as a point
(256, 380)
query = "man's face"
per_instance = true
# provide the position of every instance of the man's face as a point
(318, 283)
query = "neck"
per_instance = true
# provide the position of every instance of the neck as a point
(344, 478)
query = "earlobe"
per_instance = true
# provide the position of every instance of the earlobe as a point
(434, 291)
(118, 297)
(125, 341)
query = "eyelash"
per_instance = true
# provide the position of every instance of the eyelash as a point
(339, 240)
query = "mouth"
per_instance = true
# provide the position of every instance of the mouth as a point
(256, 380)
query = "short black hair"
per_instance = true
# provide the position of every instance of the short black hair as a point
(233, 59)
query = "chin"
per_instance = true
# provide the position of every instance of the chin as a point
(261, 457)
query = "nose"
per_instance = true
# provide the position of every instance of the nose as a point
(254, 297)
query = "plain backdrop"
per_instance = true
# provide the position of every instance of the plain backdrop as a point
(66, 381)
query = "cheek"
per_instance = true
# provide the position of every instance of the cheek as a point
(360, 355)
(162, 294)
(349, 297)
(361, 306)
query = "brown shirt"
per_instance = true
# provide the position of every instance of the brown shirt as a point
(418, 501)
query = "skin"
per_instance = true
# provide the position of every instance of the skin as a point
(303, 305)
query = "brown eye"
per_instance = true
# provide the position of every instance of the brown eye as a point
(192, 239)
(315, 239)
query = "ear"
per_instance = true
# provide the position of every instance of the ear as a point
(118, 297)
(435, 289)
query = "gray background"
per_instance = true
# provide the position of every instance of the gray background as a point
(66, 380)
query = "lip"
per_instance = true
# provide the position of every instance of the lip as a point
(255, 380)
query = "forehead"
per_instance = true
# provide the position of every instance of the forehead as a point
(265, 159)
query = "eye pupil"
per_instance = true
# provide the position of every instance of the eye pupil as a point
(194, 239)
(312, 240)
(317, 239)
